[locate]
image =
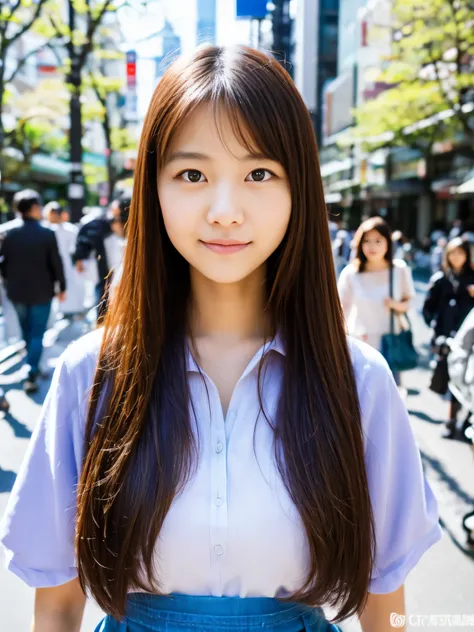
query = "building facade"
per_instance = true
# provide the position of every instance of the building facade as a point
(315, 53)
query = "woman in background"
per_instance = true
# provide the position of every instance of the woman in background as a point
(449, 300)
(364, 285)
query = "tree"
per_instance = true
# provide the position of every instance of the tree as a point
(41, 121)
(78, 38)
(429, 80)
(107, 91)
(17, 17)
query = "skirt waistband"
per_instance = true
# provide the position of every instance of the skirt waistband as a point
(185, 612)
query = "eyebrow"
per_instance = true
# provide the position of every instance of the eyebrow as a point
(193, 155)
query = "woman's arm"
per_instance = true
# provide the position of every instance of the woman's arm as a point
(382, 611)
(401, 307)
(408, 293)
(59, 609)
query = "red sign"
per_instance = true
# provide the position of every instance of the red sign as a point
(131, 68)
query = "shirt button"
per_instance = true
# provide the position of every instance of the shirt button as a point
(231, 416)
(219, 447)
(218, 549)
(219, 502)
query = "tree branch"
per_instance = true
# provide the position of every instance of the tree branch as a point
(29, 24)
(95, 87)
(92, 25)
(55, 53)
(22, 62)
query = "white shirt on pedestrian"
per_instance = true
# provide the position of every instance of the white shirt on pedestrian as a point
(363, 294)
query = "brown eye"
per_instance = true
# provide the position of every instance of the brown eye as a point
(192, 175)
(259, 175)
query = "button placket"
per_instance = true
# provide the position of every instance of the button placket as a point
(218, 493)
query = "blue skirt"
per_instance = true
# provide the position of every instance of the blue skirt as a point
(183, 613)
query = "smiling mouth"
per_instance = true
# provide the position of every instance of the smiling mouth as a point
(225, 246)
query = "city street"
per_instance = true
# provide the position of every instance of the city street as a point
(443, 582)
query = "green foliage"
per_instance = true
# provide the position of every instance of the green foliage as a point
(39, 116)
(429, 72)
(94, 175)
(122, 139)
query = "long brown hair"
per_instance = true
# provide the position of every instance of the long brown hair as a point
(139, 447)
(381, 226)
(457, 242)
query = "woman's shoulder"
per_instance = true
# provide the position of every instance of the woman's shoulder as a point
(399, 264)
(372, 374)
(366, 361)
(350, 270)
(438, 277)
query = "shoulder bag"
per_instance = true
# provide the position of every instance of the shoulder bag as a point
(398, 349)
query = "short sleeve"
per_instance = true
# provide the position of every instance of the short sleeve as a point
(37, 530)
(404, 507)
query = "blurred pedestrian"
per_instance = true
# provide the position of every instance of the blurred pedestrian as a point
(457, 229)
(364, 285)
(119, 228)
(402, 249)
(91, 242)
(341, 250)
(66, 236)
(449, 300)
(33, 272)
(461, 374)
(438, 254)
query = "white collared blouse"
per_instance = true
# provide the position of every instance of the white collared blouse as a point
(233, 530)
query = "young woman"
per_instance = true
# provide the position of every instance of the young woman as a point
(449, 300)
(364, 285)
(219, 456)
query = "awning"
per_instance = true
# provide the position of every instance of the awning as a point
(468, 185)
(332, 198)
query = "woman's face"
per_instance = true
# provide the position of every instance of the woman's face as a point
(457, 258)
(374, 246)
(225, 211)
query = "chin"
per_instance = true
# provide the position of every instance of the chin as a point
(225, 279)
(222, 275)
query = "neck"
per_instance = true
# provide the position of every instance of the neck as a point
(231, 312)
(375, 266)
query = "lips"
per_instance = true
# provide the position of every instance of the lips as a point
(225, 246)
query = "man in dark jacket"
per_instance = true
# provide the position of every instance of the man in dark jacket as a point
(33, 273)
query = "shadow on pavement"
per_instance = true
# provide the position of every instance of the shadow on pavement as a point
(452, 483)
(463, 499)
(20, 430)
(7, 479)
(419, 414)
(467, 551)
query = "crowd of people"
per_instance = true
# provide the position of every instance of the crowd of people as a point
(49, 265)
(375, 282)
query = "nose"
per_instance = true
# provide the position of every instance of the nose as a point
(225, 208)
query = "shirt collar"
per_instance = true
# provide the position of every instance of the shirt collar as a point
(276, 344)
